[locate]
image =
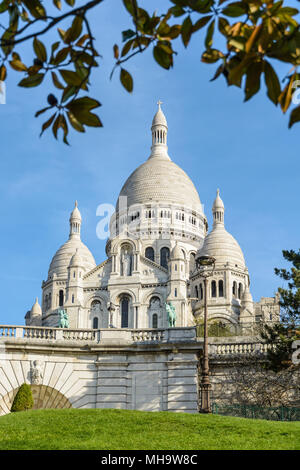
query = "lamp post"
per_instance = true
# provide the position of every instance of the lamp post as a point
(203, 262)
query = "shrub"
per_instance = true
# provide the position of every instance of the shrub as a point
(23, 399)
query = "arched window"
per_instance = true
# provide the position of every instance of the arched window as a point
(164, 256)
(201, 292)
(240, 291)
(213, 289)
(149, 253)
(95, 323)
(234, 289)
(155, 321)
(221, 288)
(196, 292)
(73, 298)
(124, 312)
(61, 298)
(49, 300)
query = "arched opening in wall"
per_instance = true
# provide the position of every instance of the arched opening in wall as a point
(95, 323)
(44, 397)
(192, 262)
(201, 292)
(240, 291)
(221, 288)
(61, 298)
(196, 292)
(164, 257)
(213, 289)
(154, 312)
(126, 260)
(97, 312)
(124, 312)
(234, 289)
(149, 253)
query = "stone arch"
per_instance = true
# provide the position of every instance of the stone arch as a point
(44, 397)
(101, 313)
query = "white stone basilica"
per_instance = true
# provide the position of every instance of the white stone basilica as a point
(157, 233)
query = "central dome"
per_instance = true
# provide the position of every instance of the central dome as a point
(159, 180)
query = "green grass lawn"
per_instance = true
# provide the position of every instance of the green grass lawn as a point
(138, 430)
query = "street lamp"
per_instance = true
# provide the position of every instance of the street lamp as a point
(204, 262)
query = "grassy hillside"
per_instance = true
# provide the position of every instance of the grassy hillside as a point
(137, 430)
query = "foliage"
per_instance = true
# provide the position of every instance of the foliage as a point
(283, 335)
(253, 35)
(216, 328)
(23, 400)
(253, 384)
(92, 429)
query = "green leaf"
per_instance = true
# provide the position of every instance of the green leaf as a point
(235, 9)
(75, 123)
(252, 84)
(126, 80)
(211, 55)
(201, 23)
(40, 50)
(70, 77)
(209, 35)
(294, 116)
(18, 65)
(128, 34)
(47, 123)
(186, 30)
(163, 58)
(56, 81)
(272, 83)
(35, 7)
(32, 80)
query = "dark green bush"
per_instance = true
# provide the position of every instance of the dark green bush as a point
(23, 399)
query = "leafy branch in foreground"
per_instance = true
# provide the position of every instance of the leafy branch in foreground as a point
(252, 37)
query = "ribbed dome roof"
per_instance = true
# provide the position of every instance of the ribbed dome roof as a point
(160, 180)
(62, 257)
(219, 243)
(223, 247)
(73, 246)
(36, 308)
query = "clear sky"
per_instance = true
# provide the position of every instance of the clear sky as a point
(245, 149)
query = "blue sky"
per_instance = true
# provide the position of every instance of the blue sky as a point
(245, 149)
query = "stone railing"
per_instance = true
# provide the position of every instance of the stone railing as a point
(225, 349)
(105, 336)
(147, 335)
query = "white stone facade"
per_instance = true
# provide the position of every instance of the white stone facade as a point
(157, 233)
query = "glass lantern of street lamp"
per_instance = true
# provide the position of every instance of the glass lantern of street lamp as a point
(204, 261)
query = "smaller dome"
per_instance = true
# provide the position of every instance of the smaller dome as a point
(218, 203)
(36, 308)
(220, 244)
(76, 259)
(61, 259)
(177, 252)
(247, 297)
(223, 247)
(75, 214)
(159, 118)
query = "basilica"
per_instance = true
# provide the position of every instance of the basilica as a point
(158, 233)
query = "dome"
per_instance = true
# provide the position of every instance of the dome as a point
(219, 243)
(61, 259)
(223, 247)
(177, 253)
(76, 259)
(74, 246)
(36, 308)
(160, 180)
